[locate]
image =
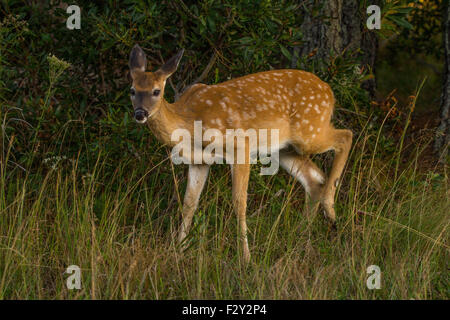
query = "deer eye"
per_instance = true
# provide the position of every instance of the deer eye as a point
(156, 92)
(132, 92)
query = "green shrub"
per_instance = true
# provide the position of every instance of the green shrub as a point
(89, 110)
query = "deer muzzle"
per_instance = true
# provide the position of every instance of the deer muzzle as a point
(140, 115)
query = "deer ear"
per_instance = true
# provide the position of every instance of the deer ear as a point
(171, 65)
(138, 60)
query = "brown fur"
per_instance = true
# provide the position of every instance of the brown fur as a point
(295, 102)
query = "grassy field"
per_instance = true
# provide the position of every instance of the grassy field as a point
(119, 220)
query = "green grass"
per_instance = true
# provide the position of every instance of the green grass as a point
(120, 227)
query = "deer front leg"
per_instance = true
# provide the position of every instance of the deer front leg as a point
(240, 175)
(196, 181)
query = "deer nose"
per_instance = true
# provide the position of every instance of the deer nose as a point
(140, 114)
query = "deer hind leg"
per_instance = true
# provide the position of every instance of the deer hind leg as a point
(306, 172)
(240, 176)
(196, 181)
(341, 142)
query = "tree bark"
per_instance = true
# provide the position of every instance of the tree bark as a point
(442, 141)
(339, 27)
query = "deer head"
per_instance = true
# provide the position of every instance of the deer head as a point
(147, 90)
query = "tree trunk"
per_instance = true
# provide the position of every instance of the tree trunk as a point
(441, 145)
(340, 27)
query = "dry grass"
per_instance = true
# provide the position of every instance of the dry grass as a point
(120, 229)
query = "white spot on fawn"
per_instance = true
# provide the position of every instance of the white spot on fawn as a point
(316, 108)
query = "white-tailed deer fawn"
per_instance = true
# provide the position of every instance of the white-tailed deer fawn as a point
(296, 103)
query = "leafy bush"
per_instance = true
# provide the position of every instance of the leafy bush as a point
(89, 108)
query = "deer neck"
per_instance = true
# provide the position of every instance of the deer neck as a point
(168, 118)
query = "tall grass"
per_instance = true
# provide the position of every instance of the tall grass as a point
(120, 229)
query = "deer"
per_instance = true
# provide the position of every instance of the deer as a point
(296, 103)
